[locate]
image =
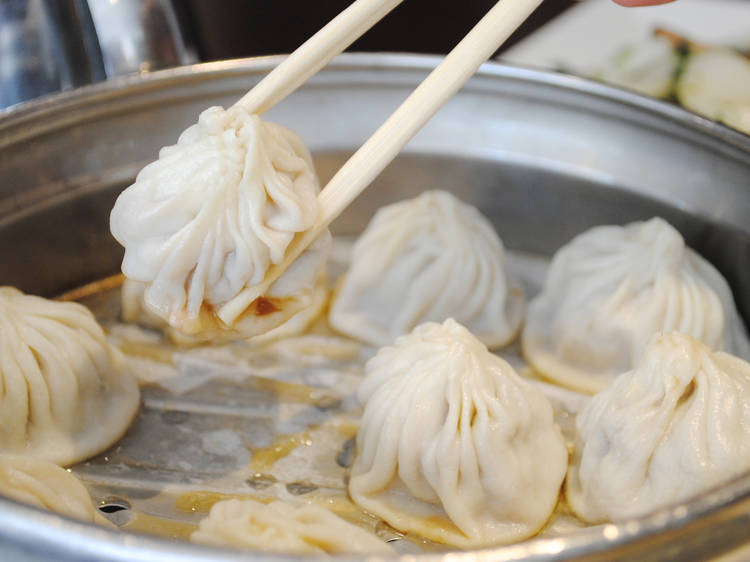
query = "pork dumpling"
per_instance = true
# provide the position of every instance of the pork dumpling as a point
(67, 393)
(134, 311)
(47, 486)
(282, 527)
(203, 223)
(453, 445)
(674, 426)
(427, 259)
(610, 289)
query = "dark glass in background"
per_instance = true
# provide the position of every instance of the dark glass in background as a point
(52, 45)
(240, 28)
(46, 46)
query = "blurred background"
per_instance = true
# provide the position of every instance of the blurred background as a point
(52, 45)
(692, 52)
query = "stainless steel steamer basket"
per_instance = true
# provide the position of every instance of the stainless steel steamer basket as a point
(544, 156)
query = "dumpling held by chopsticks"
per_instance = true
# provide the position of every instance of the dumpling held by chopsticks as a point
(203, 223)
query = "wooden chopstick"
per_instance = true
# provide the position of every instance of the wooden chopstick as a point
(378, 151)
(315, 53)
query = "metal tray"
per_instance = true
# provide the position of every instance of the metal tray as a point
(543, 156)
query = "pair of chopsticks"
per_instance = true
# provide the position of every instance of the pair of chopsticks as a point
(378, 151)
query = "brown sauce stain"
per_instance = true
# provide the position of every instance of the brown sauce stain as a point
(160, 526)
(263, 306)
(264, 459)
(292, 392)
(202, 502)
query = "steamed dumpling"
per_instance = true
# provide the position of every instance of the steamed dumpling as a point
(716, 83)
(671, 428)
(134, 311)
(47, 486)
(454, 445)
(610, 289)
(649, 67)
(427, 259)
(282, 527)
(67, 394)
(202, 225)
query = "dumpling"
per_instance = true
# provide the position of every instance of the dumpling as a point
(674, 426)
(134, 311)
(716, 84)
(648, 67)
(453, 444)
(67, 393)
(282, 527)
(427, 259)
(610, 289)
(47, 486)
(203, 223)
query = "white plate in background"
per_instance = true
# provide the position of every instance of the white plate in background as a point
(582, 38)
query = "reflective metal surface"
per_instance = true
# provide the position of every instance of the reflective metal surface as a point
(543, 156)
(46, 47)
(139, 35)
(52, 45)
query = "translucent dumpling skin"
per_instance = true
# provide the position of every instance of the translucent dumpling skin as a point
(285, 528)
(610, 289)
(47, 486)
(454, 446)
(206, 220)
(674, 426)
(67, 393)
(425, 260)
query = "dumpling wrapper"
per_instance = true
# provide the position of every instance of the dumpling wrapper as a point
(46, 485)
(455, 446)
(67, 393)
(610, 289)
(427, 259)
(671, 428)
(134, 311)
(203, 223)
(285, 528)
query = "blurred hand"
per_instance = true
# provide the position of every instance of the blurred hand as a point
(641, 2)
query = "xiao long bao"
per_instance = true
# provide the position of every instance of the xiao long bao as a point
(203, 223)
(47, 486)
(427, 259)
(67, 392)
(674, 426)
(282, 527)
(610, 289)
(454, 445)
